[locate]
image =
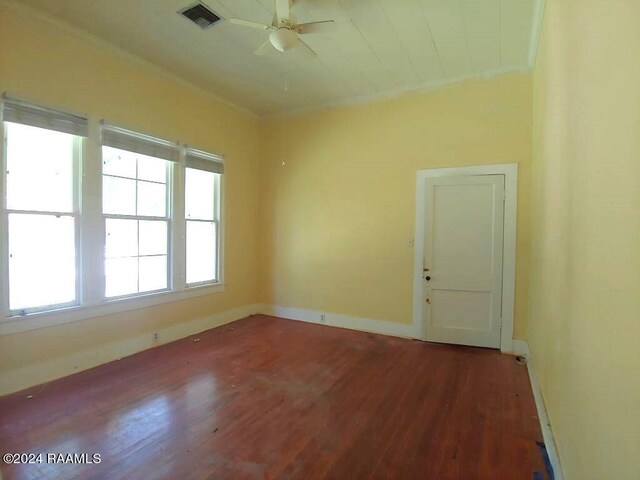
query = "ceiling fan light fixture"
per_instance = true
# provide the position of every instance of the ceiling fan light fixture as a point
(283, 39)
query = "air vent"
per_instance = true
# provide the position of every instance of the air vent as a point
(200, 14)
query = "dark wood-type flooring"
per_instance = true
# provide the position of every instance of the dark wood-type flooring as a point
(266, 398)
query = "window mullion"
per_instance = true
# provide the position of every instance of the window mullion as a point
(177, 251)
(220, 218)
(73, 214)
(76, 178)
(91, 223)
(110, 175)
(4, 230)
(137, 225)
(217, 227)
(116, 216)
(202, 220)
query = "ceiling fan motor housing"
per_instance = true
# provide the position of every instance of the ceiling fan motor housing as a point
(283, 39)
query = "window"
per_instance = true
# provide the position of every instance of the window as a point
(202, 213)
(42, 216)
(135, 193)
(132, 223)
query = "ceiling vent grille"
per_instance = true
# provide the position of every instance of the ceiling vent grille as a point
(200, 14)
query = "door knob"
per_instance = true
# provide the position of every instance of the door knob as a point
(427, 278)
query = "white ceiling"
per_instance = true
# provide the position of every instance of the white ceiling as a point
(379, 46)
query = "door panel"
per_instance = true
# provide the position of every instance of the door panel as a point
(461, 309)
(463, 259)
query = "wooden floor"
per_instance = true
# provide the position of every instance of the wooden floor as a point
(268, 398)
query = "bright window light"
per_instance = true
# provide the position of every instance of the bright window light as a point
(201, 251)
(201, 199)
(41, 260)
(134, 202)
(53, 255)
(41, 218)
(40, 169)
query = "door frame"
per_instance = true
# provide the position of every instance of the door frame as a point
(510, 172)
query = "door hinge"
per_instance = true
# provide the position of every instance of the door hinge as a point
(504, 195)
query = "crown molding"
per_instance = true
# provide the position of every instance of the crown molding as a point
(536, 31)
(397, 93)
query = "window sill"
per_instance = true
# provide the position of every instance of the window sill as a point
(33, 321)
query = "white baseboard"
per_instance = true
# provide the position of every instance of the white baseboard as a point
(343, 321)
(31, 375)
(518, 347)
(521, 347)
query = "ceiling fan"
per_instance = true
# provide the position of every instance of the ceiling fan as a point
(285, 30)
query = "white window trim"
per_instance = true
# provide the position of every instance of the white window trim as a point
(75, 213)
(11, 325)
(218, 220)
(90, 227)
(4, 221)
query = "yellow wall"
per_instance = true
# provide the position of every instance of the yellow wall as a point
(584, 327)
(333, 224)
(46, 64)
(336, 218)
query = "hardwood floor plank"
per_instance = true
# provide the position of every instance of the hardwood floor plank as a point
(267, 398)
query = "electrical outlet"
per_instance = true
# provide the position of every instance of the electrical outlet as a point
(323, 318)
(156, 337)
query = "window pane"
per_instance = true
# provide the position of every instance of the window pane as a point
(152, 199)
(121, 238)
(153, 237)
(118, 196)
(42, 262)
(153, 273)
(118, 162)
(144, 241)
(201, 251)
(121, 276)
(152, 169)
(199, 194)
(39, 169)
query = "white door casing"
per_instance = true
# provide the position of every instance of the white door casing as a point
(463, 259)
(440, 290)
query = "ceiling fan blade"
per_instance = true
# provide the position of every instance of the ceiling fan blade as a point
(264, 48)
(306, 49)
(316, 27)
(249, 23)
(282, 9)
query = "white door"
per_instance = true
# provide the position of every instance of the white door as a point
(463, 259)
